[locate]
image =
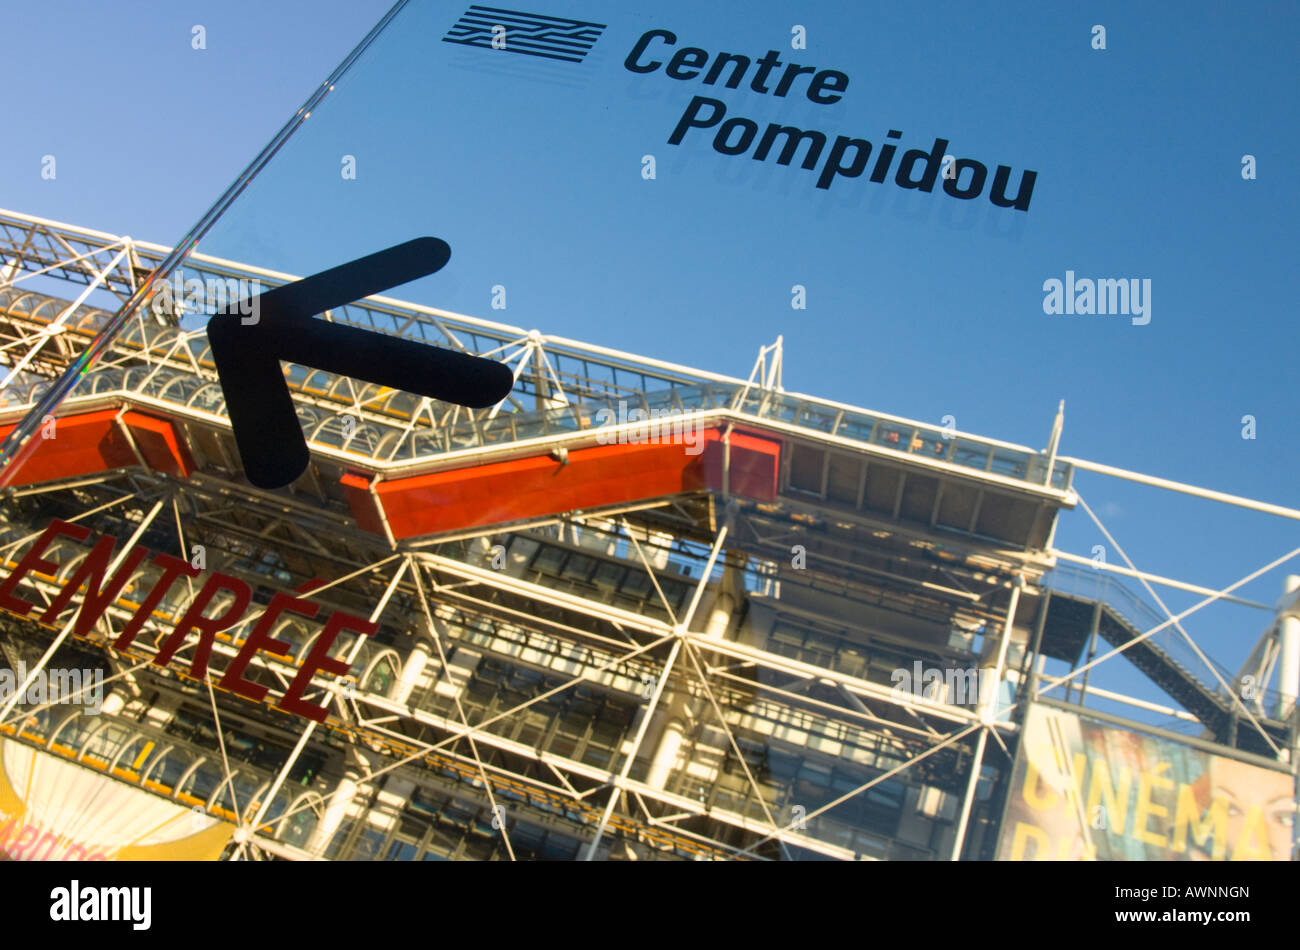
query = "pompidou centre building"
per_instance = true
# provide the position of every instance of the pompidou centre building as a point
(632, 611)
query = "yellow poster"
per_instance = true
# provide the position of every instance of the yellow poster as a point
(1082, 790)
(54, 810)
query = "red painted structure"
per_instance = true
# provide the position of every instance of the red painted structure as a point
(537, 486)
(95, 442)
(470, 497)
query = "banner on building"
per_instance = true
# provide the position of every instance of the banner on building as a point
(53, 810)
(1082, 790)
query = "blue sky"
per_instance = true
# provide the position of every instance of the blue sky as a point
(917, 304)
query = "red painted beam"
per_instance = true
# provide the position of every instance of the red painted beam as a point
(160, 444)
(755, 464)
(539, 486)
(94, 442)
(496, 493)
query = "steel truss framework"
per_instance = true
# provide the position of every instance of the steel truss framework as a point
(701, 675)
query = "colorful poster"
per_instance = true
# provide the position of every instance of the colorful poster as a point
(53, 810)
(1086, 791)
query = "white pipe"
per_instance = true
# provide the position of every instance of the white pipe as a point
(670, 744)
(959, 839)
(987, 711)
(1206, 493)
(412, 669)
(720, 616)
(1288, 664)
(335, 811)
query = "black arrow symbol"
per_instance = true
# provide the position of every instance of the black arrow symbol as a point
(248, 355)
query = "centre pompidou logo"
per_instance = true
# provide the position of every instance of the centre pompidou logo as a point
(532, 34)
